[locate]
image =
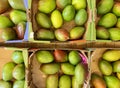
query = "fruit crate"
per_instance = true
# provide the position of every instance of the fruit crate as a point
(8, 60)
(52, 33)
(14, 21)
(106, 25)
(37, 78)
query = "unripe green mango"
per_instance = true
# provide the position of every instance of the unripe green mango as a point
(44, 56)
(116, 9)
(116, 66)
(56, 19)
(75, 84)
(118, 23)
(68, 13)
(43, 20)
(50, 68)
(19, 84)
(5, 22)
(104, 6)
(81, 17)
(65, 81)
(108, 20)
(5, 84)
(18, 16)
(7, 71)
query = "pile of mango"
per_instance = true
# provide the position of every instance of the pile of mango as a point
(12, 19)
(63, 69)
(13, 73)
(109, 66)
(52, 15)
(108, 26)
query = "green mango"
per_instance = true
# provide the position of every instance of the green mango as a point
(116, 66)
(7, 71)
(118, 23)
(18, 16)
(50, 68)
(17, 4)
(79, 4)
(46, 6)
(44, 56)
(43, 20)
(56, 19)
(19, 72)
(104, 6)
(68, 68)
(65, 81)
(52, 81)
(77, 32)
(19, 84)
(74, 57)
(63, 3)
(5, 22)
(17, 57)
(112, 81)
(108, 20)
(105, 67)
(75, 84)
(5, 84)
(102, 33)
(68, 13)
(116, 9)
(114, 33)
(111, 55)
(8, 34)
(81, 17)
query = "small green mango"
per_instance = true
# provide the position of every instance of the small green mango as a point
(44, 56)
(68, 13)
(118, 23)
(116, 66)
(116, 9)
(19, 84)
(43, 20)
(65, 81)
(81, 17)
(7, 71)
(75, 84)
(5, 84)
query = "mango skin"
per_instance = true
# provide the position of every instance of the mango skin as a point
(118, 75)
(116, 9)
(65, 81)
(108, 20)
(56, 19)
(5, 84)
(19, 84)
(75, 84)
(81, 17)
(104, 6)
(43, 20)
(118, 23)
(116, 66)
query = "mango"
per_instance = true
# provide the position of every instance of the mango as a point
(52, 81)
(97, 81)
(102, 33)
(62, 34)
(19, 72)
(8, 34)
(68, 13)
(44, 56)
(56, 19)
(118, 75)
(65, 81)
(81, 17)
(45, 34)
(46, 6)
(63, 3)
(104, 6)
(114, 33)
(112, 81)
(7, 71)
(60, 55)
(116, 66)
(77, 32)
(118, 23)
(5, 84)
(5, 22)
(75, 84)
(108, 20)
(14, 4)
(79, 4)
(17, 57)
(19, 84)
(68, 68)
(116, 9)
(43, 20)
(111, 55)
(18, 16)
(105, 67)
(50, 68)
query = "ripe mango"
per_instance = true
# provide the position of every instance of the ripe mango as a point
(116, 9)
(116, 66)
(5, 84)
(118, 23)
(19, 84)
(118, 75)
